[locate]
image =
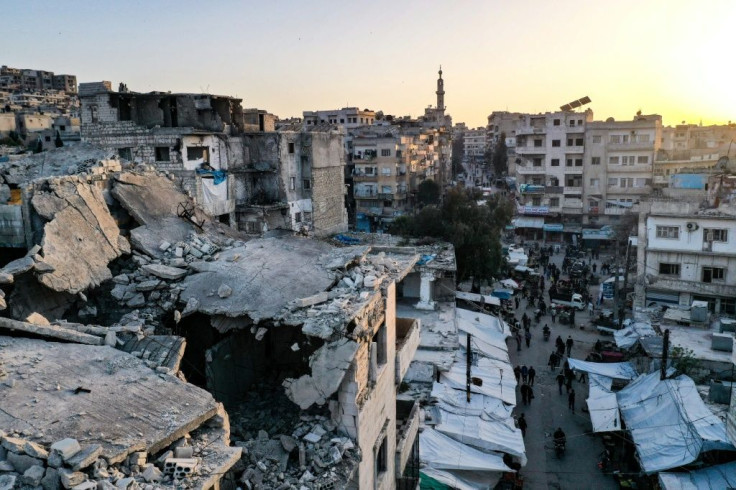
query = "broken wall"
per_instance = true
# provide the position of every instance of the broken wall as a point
(328, 183)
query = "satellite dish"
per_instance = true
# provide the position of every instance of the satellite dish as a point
(722, 163)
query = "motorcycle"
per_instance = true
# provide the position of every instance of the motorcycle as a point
(605, 462)
(559, 449)
(546, 333)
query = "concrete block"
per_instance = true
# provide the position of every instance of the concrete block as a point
(22, 462)
(66, 448)
(51, 480)
(70, 479)
(85, 457)
(722, 342)
(7, 482)
(14, 444)
(312, 300)
(33, 475)
(35, 450)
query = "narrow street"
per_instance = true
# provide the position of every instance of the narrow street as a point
(578, 467)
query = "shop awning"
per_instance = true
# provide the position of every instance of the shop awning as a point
(528, 222)
(553, 227)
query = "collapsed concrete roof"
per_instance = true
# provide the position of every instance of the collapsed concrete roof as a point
(95, 394)
(67, 160)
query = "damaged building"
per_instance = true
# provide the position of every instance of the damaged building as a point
(230, 159)
(122, 279)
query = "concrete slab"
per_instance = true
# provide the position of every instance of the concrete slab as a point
(264, 274)
(97, 395)
(49, 331)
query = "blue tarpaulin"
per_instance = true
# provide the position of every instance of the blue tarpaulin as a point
(425, 259)
(219, 176)
(348, 240)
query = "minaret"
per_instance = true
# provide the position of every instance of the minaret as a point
(440, 92)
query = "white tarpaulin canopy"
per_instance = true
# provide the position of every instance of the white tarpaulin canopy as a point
(669, 423)
(487, 407)
(510, 283)
(488, 334)
(602, 404)
(629, 336)
(717, 477)
(487, 298)
(456, 464)
(497, 379)
(614, 370)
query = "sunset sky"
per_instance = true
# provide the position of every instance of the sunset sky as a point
(670, 57)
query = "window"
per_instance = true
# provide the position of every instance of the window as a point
(711, 274)
(554, 202)
(536, 201)
(537, 143)
(642, 159)
(307, 184)
(578, 162)
(595, 182)
(612, 182)
(715, 235)
(555, 143)
(382, 458)
(570, 142)
(628, 160)
(595, 161)
(555, 122)
(292, 183)
(613, 160)
(669, 269)
(640, 182)
(615, 139)
(298, 217)
(597, 139)
(62, 127)
(198, 153)
(125, 154)
(643, 138)
(162, 154)
(291, 147)
(386, 189)
(569, 162)
(555, 162)
(572, 123)
(386, 171)
(537, 162)
(385, 153)
(671, 232)
(342, 120)
(728, 305)
(578, 141)
(47, 138)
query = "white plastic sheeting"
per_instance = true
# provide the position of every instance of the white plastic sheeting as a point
(602, 404)
(456, 464)
(717, 477)
(485, 435)
(497, 379)
(214, 196)
(487, 298)
(488, 334)
(487, 407)
(510, 283)
(669, 423)
(615, 370)
(483, 322)
(629, 336)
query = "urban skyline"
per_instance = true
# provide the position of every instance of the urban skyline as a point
(666, 59)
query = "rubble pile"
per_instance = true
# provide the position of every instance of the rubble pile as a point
(284, 448)
(68, 464)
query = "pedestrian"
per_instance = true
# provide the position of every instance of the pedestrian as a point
(571, 401)
(568, 383)
(516, 302)
(517, 374)
(532, 373)
(528, 338)
(572, 318)
(590, 308)
(560, 381)
(525, 394)
(552, 361)
(530, 395)
(583, 377)
(524, 374)
(522, 425)
(553, 313)
(517, 337)
(569, 344)
(595, 267)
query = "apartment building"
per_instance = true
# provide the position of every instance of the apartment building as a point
(348, 117)
(474, 144)
(686, 254)
(549, 151)
(504, 123)
(22, 79)
(618, 161)
(693, 148)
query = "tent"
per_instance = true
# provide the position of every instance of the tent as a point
(614, 370)
(488, 333)
(602, 404)
(457, 465)
(669, 422)
(496, 379)
(488, 407)
(510, 283)
(503, 293)
(629, 336)
(717, 477)
(487, 299)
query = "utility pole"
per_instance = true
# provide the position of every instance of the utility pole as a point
(665, 353)
(467, 371)
(626, 280)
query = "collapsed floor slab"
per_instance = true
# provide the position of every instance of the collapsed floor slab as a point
(97, 395)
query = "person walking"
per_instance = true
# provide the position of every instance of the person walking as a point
(517, 337)
(522, 425)
(525, 392)
(560, 381)
(571, 401)
(572, 318)
(532, 373)
(553, 313)
(517, 374)
(583, 377)
(529, 394)
(569, 344)
(528, 338)
(590, 308)
(524, 374)
(552, 361)
(516, 302)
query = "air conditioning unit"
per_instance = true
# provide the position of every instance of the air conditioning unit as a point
(691, 226)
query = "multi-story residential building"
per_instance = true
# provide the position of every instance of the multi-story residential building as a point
(549, 168)
(21, 79)
(250, 178)
(474, 144)
(693, 148)
(617, 168)
(504, 123)
(686, 253)
(348, 117)
(731, 415)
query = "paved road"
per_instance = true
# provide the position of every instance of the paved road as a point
(577, 469)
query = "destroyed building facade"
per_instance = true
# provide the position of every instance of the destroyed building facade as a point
(230, 159)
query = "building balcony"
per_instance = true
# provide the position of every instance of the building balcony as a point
(629, 191)
(531, 150)
(594, 190)
(529, 188)
(407, 428)
(619, 210)
(530, 170)
(573, 189)
(644, 167)
(360, 177)
(693, 287)
(630, 146)
(553, 189)
(407, 341)
(574, 170)
(365, 195)
(530, 130)
(575, 149)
